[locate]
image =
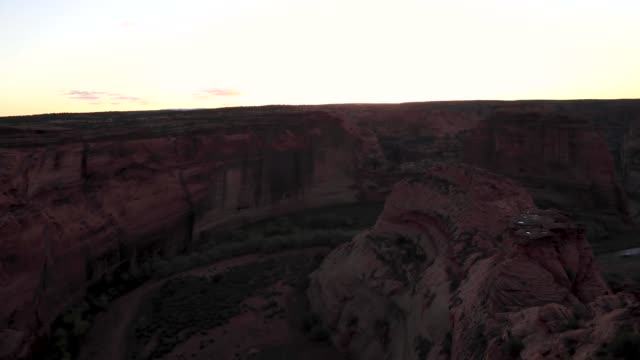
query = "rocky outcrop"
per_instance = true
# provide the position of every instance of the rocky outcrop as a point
(459, 264)
(71, 212)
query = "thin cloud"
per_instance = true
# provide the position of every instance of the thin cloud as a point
(127, 24)
(83, 95)
(221, 92)
(122, 97)
(113, 98)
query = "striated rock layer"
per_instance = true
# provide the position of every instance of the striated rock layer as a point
(564, 161)
(581, 155)
(459, 264)
(82, 194)
(71, 212)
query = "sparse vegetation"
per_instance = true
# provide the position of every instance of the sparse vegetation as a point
(270, 244)
(513, 346)
(318, 227)
(314, 328)
(446, 343)
(581, 311)
(326, 227)
(280, 226)
(403, 255)
(326, 221)
(454, 279)
(309, 322)
(70, 327)
(572, 323)
(319, 333)
(479, 341)
(625, 345)
(570, 344)
(189, 304)
(454, 284)
(422, 346)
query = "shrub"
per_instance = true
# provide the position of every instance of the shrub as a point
(422, 346)
(626, 345)
(454, 283)
(319, 333)
(572, 323)
(513, 346)
(479, 340)
(239, 235)
(281, 226)
(327, 221)
(309, 322)
(580, 311)
(446, 343)
(273, 243)
(570, 344)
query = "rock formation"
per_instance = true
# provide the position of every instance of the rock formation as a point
(83, 194)
(71, 212)
(460, 264)
(563, 160)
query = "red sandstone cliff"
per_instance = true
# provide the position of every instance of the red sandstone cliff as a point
(459, 263)
(565, 161)
(579, 155)
(71, 212)
(82, 193)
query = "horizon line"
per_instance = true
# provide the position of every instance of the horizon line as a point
(323, 104)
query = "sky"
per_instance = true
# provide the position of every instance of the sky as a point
(86, 55)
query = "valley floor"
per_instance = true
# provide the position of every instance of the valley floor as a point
(271, 322)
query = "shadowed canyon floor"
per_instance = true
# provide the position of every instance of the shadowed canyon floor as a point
(193, 308)
(265, 320)
(95, 208)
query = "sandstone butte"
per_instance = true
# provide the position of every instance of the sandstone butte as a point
(460, 263)
(84, 194)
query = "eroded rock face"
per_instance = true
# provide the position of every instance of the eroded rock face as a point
(565, 161)
(81, 194)
(73, 211)
(459, 263)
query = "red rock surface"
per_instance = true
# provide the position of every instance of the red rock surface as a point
(82, 193)
(581, 155)
(71, 212)
(567, 157)
(461, 256)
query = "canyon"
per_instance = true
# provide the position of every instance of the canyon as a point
(85, 194)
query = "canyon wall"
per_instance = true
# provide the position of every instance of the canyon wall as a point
(576, 155)
(564, 161)
(81, 194)
(73, 211)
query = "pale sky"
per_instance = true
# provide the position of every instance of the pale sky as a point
(86, 55)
